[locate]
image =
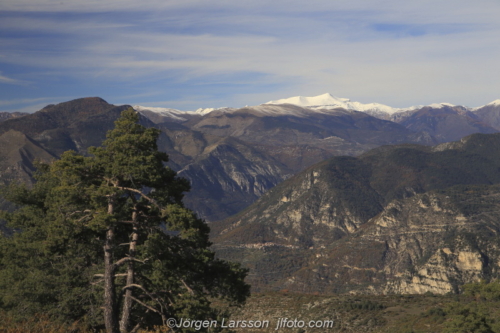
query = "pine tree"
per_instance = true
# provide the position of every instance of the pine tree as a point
(110, 231)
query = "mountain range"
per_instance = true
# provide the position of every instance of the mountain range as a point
(232, 156)
(329, 195)
(443, 121)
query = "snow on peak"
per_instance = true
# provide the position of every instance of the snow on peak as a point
(178, 114)
(321, 103)
(172, 113)
(440, 105)
(495, 102)
(204, 111)
(328, 101)
(325, 99)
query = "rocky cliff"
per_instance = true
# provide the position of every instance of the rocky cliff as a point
(432, 242)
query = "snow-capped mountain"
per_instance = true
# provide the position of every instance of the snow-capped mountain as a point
(321, 103)
(177, 114)
(328, 101)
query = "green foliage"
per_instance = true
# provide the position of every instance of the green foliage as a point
(476, 314)
(483, 290)
(364, 305)
(437, 313)
(46, 268)
(124, 200)
(468, 318)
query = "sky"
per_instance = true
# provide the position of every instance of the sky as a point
(190, 54)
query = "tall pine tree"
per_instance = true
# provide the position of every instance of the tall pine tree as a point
(105, 238)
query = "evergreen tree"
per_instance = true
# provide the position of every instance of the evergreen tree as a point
(109, 231)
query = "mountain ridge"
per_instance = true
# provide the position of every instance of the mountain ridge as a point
(321, 102)
(443, 121)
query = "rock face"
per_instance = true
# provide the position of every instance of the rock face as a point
(229, 176)
(442, 234)
(402, 219)
(432, 242)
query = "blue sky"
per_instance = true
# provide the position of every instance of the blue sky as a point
(187, 54)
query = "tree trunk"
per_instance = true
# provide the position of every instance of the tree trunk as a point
(127, 302)
(110, 308)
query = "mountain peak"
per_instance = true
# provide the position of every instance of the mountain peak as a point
(320, 100)
(440, 105)
(328, 101)
(495, 102)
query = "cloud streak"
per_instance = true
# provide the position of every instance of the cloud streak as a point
(7, 80)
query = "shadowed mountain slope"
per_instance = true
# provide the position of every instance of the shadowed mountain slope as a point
(449, 123)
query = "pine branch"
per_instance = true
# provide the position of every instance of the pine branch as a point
(125, 222)
(141, 194)
(187, 287)
(164, 319)
(138, 326)
(78, 212)
(98, 281)
(128, 259)
(102, 275)
(146, 306)
(83, 218)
